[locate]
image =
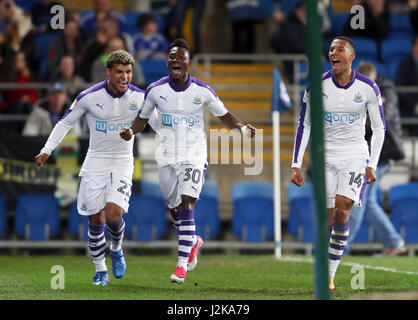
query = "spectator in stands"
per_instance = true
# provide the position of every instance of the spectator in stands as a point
(15, 21)
(98, 69)
(244, 16)
(20, 100)
(290, 36)
(149, 44)
(377, 17)
(47, 112)
(107, 28)
(407, 75)
(73, 82)
(7, 55)
(392, 150)
(69, 41)
(179, 13)
(102, 9)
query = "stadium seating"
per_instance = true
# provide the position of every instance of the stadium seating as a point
(400, 26)
(78, 225)
(253, 210)
(37, 216)
(395, 49)
(403, 200)
(366, 49)
(364, 233)
(338, 22)
(147, 213)
(301, 211)
(3, 218)
(206, 211)
(153, 69)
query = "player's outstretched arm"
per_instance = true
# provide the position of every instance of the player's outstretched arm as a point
(297, 177)
(41, 158)
(232, 122)
(136, 126)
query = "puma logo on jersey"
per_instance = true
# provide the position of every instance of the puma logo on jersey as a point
(100, 106)
(165, 99)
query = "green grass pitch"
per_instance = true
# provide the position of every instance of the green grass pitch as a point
(217, 277)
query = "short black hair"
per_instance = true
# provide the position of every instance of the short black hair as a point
(144, 19)
(350, 42)
(181, 43)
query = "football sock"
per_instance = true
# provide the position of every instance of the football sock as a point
(337, 242)
(176, 220)
(186, 236)
(116, 230)
(97, 245)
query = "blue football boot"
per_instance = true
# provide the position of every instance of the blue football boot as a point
(101, 278)
(118, 263)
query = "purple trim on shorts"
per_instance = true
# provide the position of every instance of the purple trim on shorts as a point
(363, 187)
(300, 131)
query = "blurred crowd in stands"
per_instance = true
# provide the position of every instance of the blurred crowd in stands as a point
(31, 51)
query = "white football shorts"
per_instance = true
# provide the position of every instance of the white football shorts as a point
(346, 178)
(97, 190)
(181, 179)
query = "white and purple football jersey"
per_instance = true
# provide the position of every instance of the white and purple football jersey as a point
(181, 118)
(344, 120)
(107, 115)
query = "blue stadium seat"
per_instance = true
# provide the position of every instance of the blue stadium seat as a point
(147, 212)
(400, 26)
(78, 225)
(3, 217)
(403, 200)
(37, 216)
(395, 50)
(253, 203)
(153, 69)
(366, 49)
(301, 211)
(364, 233)
(338, 22)
(392, 68)
(206, 211)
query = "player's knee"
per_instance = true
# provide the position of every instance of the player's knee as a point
(341, 215)
(187, 203)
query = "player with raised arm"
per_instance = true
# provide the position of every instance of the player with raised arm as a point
(347, 95)
(182, 155)
(106, 173)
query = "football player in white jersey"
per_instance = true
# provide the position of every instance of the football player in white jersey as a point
(106, 173)
(179, 99)
(349, 166)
